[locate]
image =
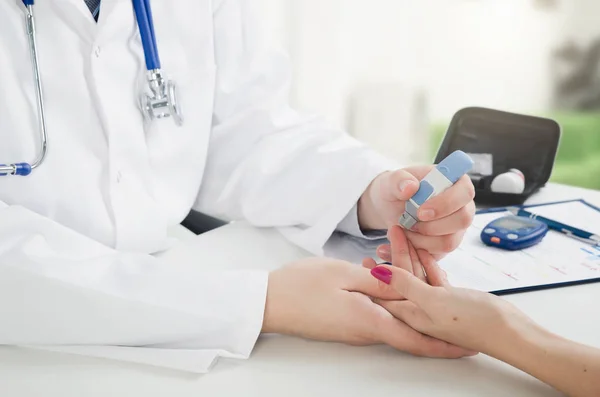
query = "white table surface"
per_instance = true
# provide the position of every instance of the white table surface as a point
(284, 366)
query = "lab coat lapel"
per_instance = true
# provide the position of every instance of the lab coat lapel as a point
(73, 13)
(76, 14)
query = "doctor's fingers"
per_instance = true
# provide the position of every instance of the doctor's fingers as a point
(384, 251)
(459, 220)
(369, 263)
(437, 246)
(398, 185)
(449, 201)
(399, 335)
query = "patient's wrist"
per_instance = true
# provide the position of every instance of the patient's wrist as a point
(516, 339)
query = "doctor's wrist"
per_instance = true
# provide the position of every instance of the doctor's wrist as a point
(368, 216)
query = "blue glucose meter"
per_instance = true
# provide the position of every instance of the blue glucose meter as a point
(514, 233)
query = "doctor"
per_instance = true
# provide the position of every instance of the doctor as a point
(77, 234)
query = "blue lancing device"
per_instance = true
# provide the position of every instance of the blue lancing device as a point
(442, 177)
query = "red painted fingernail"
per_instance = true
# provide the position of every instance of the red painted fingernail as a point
(382, 274)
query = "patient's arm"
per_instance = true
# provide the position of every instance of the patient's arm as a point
(568, 366)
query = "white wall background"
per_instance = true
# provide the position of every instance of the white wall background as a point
(363, 63)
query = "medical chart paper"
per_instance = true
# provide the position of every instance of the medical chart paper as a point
(557, 260)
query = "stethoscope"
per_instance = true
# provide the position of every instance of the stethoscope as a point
(157, 103)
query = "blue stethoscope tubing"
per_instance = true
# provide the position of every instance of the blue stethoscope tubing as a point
(24, 169)
(159, 102)
(162, 101)
(143, 13)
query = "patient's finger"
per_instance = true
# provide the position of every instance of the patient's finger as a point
(436, 276)
(416, 263)
(400, 249)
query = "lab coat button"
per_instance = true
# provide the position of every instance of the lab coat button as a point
(119, 176)
(97, 52)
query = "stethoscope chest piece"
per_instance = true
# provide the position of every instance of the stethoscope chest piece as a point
(162, 101)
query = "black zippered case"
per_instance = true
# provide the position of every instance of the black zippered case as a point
(506, 140)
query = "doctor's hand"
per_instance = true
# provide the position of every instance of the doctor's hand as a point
(444, 218)
(328, 300)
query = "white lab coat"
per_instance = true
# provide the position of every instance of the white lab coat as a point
(77, 236)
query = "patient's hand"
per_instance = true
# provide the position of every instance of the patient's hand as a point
(463, 317)
(483, 322)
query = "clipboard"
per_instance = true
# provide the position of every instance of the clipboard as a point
(554, 267)
(502, 209)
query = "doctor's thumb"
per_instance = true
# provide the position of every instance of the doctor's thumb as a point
(403, 185)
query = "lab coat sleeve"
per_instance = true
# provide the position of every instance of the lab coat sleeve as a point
(61, 291)
(269, 164)
(351, 226)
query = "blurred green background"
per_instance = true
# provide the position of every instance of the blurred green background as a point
(578, 158)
